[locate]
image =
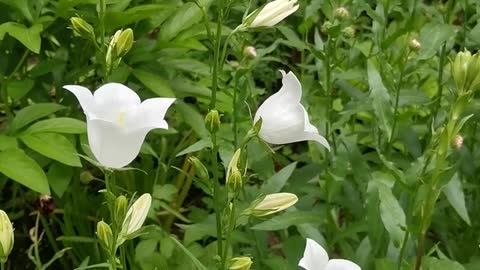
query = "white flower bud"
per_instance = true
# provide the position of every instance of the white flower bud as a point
(271, 14)
(250, 52)
(274, 203)
(6, 236)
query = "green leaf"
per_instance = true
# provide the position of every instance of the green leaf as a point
(454, 192)
(193, 118)
(392, 214)
(277, 181)
(32, 113)
(380, 99)
(29, 37)
(186, 64)
(202, 144)
(165, 192)
(433, 35)
(58, 125)
(18, 89)
(195, 261)
(15, 164)
(431, 263)
(54, 146)
(7, 142)
(154, 83)
(21, 6)
(118, 19)
(288, 219)
(59, 177)
(184, 17)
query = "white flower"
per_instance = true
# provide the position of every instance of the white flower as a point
(6, 236)
(273, 12)
(284, 119)
(316, 258)
(117, 121)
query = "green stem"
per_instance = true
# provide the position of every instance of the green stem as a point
(439, 81)
(216, 196)
(231, 227)
(398, 87)
(6, 81)
(2, 265)
(216, 61)
(37, 242)
(402, 250)
(52, 241)
(235, 113)
(101, 18)
(328, 88)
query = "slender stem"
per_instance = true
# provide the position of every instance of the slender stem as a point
(235, 113)
(37, 242)
(2, 265)
(329, 91)
(398, 87)
(402, 250)
(231, 227)
(6, 81)
(216, 62)
(216, 196)
(51, 239)
(441, 64)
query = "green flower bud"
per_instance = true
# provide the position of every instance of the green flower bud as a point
(119, 46)
(414, 44)
(240, 263)
(200, 169)
(6, 236)
(326, 26)
(348, 32)
(105, 235)
(234, 176)
(212, 121)
(460, 69)
(86, 177)
(82, 29)
(274, 203)
(121, 204)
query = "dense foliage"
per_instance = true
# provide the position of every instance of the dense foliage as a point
(382, 81)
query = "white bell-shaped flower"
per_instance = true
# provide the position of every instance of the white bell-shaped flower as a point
(117, 121)
(284, 119)
(273, 13)
(316, 258)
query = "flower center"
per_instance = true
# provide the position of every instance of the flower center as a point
(122, 119)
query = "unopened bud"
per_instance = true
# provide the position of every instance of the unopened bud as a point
(457, 142)
(212, 121)
(274, 203)
(135, 217)
(6, 237)
(414, 44)
(105, 235)
(86, 177)
(234, 176)
(326, 26)
(342, 13)
(45, 205)
(121, 204)
(119, 46)
(466, 71)
(82, 29)
(250, 52)
(349, 32)
(240, 263)
(200, 169)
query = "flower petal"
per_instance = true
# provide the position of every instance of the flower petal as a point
(314, 257)
(151, 113)
(113, 145)
(115, 95)
(311, 132)
(278, 18)
(291, 87)
(83, 95)
(339, 264)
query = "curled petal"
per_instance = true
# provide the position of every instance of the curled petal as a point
(84, 96)
(113, 145)
(150, 114)
(291, 88)
(339, 264)
(314, 257)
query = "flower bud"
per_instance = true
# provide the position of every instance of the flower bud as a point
(212, 121)
(200, 169)
(86, 177)
(342, 13)
(348, 32)
(6, 236)
(119, 46)
(466, 72)
(271, 14)
(274, 203)
(121, 204)
(457, 142)
(240, 263)
(82, 29)
(105, 235)
(250, 52)
(326, 26)
(234, 176)
(136, 216)
(414, 44)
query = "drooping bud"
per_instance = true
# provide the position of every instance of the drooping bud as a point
(200, 169)
(6, 236)
(234, 176)
(212, 121)
(250, 52)
(342, 13)
(105, 235)
(414, 44)
(457, 142)
(82, 29)
(274, 203)
(240, 263)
